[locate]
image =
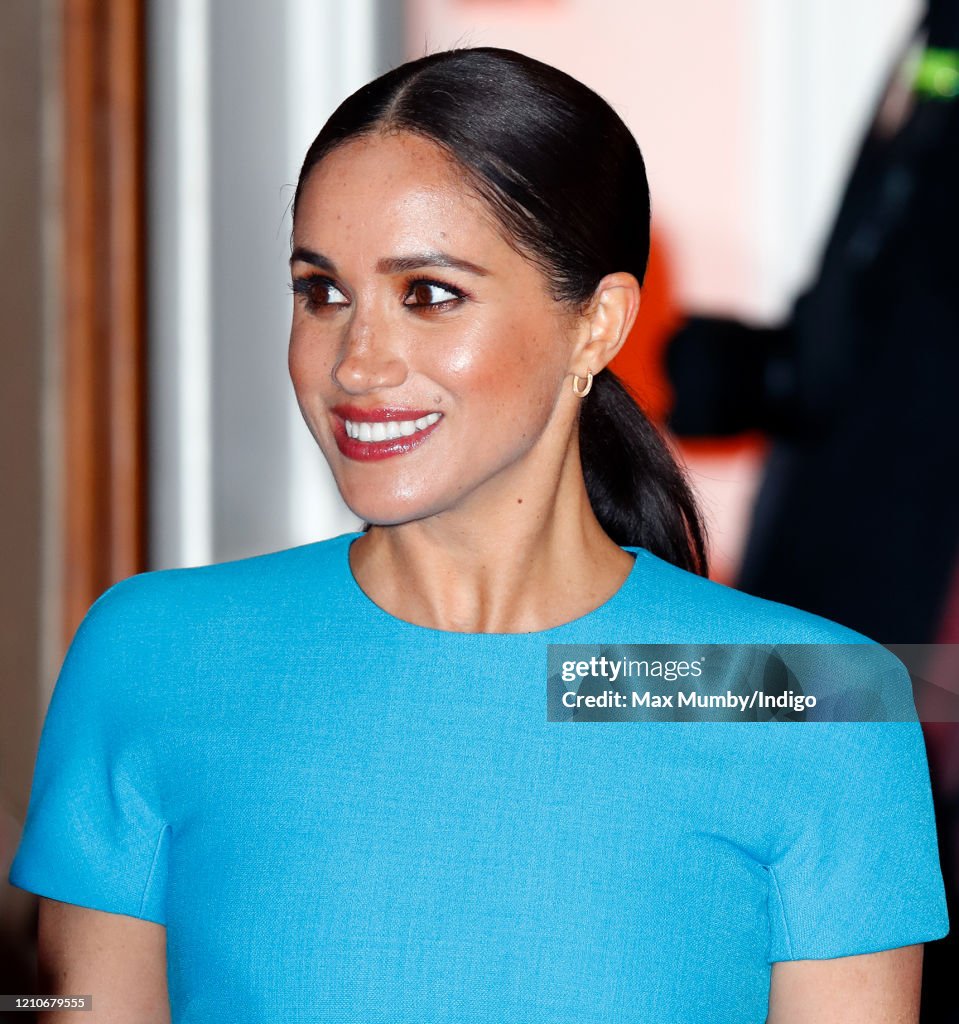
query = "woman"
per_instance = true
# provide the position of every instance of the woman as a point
(319, 784)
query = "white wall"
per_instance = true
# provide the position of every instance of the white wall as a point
(816, 70)
(238, 90)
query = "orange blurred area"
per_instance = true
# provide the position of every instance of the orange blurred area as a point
(640, 360)
(721, 469)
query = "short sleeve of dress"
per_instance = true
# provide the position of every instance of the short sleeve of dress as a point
(856, 863)
(94, 835)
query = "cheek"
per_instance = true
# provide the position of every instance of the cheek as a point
(307, 359)
(512, 363)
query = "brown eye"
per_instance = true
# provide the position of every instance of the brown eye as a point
(430, 294)
(318, 292)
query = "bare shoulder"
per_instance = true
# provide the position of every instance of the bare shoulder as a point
(880, 988)
(119, 960)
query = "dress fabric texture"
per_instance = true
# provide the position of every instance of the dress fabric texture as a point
(340, 816)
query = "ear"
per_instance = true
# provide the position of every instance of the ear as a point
(606, 323)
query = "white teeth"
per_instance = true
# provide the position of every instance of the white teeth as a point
(388, 429)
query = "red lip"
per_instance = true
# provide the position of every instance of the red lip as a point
(372, 451)
(382, 415)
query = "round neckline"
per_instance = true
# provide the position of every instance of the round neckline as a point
(375, 611)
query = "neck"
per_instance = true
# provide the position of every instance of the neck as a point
(519, 561)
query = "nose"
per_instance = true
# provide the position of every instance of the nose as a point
(368, 361)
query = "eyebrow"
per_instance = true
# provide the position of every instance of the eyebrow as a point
(395, 264)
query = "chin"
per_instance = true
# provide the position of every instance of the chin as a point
(389, 511)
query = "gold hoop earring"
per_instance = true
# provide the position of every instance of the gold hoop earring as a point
(589, 384)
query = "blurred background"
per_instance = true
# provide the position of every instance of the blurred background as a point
(797, 341)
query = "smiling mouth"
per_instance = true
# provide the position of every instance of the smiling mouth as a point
(365, 439)
(387, 430)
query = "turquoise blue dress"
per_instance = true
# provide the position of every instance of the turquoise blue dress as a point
(340, 816)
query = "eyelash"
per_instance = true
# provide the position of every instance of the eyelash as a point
(305, 287)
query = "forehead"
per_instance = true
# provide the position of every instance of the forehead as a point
(394, 188)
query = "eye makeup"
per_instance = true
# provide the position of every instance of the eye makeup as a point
(312, 288)
(315, 288)
(414, 284)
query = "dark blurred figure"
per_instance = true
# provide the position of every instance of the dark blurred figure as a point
(857, 516)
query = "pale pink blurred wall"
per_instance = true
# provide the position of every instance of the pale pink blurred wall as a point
(747, 112)
(676, 72)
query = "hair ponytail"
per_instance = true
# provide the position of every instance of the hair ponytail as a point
(638, 492)
(566, 180)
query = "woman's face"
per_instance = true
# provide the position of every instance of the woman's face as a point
(427, 356)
